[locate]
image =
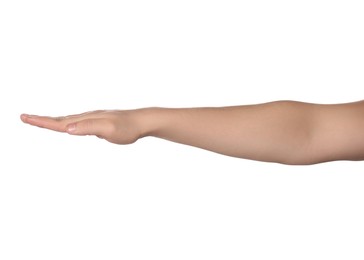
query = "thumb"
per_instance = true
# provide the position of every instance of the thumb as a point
(87, 127)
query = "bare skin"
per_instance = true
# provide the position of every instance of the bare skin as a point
(286, 132)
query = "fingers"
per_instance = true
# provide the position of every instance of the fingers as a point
(57, 123)
(85, 114)
(94, 126)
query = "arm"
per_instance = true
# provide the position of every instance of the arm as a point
(285, 132)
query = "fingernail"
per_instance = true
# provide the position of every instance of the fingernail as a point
(71, 127)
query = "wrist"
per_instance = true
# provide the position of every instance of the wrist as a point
(149, 120)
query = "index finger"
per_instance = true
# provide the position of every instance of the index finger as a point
(55, 124)
(58, 124)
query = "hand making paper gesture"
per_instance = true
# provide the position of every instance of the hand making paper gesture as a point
(287, 132)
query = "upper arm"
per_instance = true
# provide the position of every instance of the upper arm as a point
(338, 132)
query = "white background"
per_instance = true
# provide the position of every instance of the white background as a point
(67, 197)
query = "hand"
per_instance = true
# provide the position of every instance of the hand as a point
(115, 126)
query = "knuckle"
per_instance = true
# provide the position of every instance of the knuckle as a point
(59, 118)
(98, 111)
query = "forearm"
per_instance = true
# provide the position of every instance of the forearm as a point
(275, 132)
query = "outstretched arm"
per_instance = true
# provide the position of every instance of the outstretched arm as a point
(285, 132)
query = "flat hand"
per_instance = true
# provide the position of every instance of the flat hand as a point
(116, 126)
